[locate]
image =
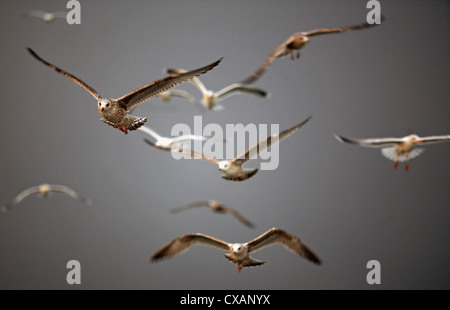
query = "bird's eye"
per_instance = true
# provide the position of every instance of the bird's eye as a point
(99, 103)
(107, 105)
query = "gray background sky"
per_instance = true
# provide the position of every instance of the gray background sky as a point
(347, 203)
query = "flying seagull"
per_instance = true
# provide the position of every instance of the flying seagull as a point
(232, 170)
(115, 111)
(46, 16)
(166, 143)
(239, 253)
(397, 149)
(215, 207)
(45, 190)
(211, 99)
(295, 42)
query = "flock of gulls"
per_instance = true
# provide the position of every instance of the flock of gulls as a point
(115, 112)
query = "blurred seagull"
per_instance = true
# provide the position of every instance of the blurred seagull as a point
(397, 149)
(296, 41)
(239, 253)
(232, 170)
(167, 144)
(45, 190)
(215, 207)
(212, 99)
(115, 111)
(46, 16)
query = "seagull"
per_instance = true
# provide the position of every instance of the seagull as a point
(239, 253)
(165, 143)
(216, 207)
(46, 16)
(212, 99)
(295, 42)
(45, 190)
(397, 149)
(115, 111)
(232, 170)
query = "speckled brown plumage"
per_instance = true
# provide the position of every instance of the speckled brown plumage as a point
(115, 111)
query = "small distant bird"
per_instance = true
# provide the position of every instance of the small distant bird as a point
(397, 149)
(115, 111)
(239, 253)
(166, 143)
(45, 190)
(296, 41)
(232, 170)
(46, 16)
(215, 207)
(212, 99)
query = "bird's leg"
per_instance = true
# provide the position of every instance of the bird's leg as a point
(122, 128)
(292, 55)
(298, 54)
(396, 161)
(239, 267)
(407, 162)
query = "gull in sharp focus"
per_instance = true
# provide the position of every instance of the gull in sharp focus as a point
(239, 253)
(211, 99)
(233, 170)
(115, 111)
(295, 42)
(397, 149)
(166, 143)
(45, 190)
(46, 16)
(215, 207)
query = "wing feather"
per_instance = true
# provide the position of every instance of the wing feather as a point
(154, 88)
(183, 243)
(92, 91)
(292, 243)
(251, 152)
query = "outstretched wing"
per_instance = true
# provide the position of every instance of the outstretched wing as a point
(150, 132)
(237, 215)
(251, 152)
(194, 154)
(291, 242)
(22, 195)
(92, 91)
(196, 81)
(183, 243)
(434, 139)
(192, 205)
(374, 142)
(365, 25)
(260, 71)
(71, 193)
(240, 88)
(153, 89)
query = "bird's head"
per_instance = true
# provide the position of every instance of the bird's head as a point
(224, 165)
(104, 105)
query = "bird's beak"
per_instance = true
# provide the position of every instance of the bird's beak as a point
(419, 141)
